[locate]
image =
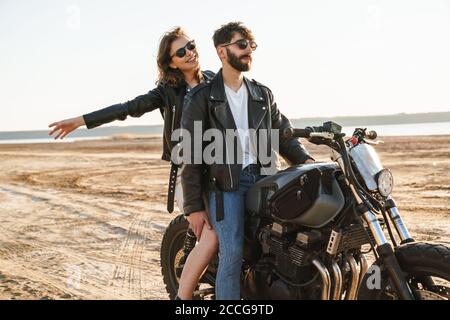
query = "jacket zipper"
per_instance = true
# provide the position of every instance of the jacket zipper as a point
(173, 117)
(228, 163)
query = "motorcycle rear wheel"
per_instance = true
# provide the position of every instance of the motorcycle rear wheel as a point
(172, 253)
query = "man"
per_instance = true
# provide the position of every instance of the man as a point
(231, 101)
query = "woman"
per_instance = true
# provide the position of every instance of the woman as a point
(179, 72)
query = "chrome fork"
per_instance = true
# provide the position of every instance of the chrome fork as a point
(397, 221)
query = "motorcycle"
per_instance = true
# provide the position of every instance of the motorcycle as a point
(311, 229)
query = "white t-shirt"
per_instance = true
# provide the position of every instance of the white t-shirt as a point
(238, 102)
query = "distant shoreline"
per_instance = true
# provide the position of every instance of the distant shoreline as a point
(351, 121)
(380, 120)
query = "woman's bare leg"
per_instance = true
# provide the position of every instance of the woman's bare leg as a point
(197, 262)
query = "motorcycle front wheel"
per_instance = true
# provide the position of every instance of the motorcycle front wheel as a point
(426, 267)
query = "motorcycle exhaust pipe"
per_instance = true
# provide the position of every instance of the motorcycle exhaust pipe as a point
(337, 281)
(326, 279)
(363, 266)
(351, 292)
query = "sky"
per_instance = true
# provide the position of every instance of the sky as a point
(61, 59)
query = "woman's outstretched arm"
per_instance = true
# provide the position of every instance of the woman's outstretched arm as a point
(64, 127)
(154, 99)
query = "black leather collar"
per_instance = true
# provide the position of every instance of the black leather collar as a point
(217, 92)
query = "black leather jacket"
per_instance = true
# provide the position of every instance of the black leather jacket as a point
(207, 103)
(168, 99)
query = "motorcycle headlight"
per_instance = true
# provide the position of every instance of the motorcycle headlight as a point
(385, 182)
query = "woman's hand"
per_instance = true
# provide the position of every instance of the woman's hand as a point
(196, 221)
(65, 127)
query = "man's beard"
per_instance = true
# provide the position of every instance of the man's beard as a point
(236, 63)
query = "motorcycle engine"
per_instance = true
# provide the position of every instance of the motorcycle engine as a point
(283, 270)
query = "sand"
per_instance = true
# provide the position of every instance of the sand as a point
(84, 220)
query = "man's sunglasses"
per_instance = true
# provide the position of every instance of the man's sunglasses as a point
(180, 53)
(243, 44)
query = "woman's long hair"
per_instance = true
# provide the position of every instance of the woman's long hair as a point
(166, 74)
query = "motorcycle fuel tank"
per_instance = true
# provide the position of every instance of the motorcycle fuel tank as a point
(306, 195)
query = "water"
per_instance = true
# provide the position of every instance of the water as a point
(410, 129)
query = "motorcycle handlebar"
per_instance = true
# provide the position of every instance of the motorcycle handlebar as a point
(306, 133)
(296, 133)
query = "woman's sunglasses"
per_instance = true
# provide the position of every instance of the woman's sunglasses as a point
(180, 53)
(243, 44)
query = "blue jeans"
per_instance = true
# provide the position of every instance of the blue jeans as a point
(230, 232)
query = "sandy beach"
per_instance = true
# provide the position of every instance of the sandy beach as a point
(84, 220)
